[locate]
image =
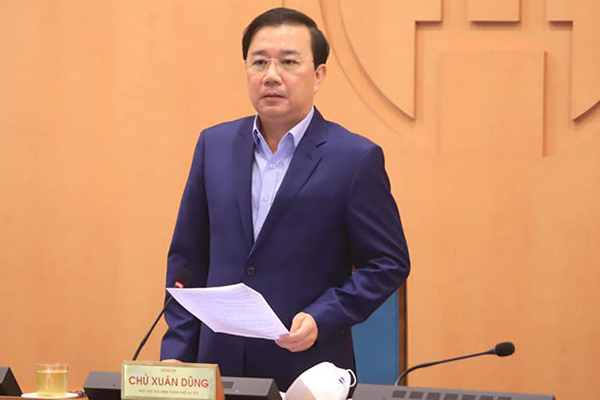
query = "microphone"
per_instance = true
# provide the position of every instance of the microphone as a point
(181, 280)
(501, 350)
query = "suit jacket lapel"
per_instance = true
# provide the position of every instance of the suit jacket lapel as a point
(243, 154)
(305, 159)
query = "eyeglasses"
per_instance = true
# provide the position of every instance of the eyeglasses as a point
(260, 65)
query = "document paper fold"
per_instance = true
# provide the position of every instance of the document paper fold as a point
(233, 309)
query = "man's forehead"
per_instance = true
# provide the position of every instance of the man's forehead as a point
(284, 38)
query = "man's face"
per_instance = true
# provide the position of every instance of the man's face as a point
(282, 92)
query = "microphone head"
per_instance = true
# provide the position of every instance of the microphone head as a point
(504, 349)
(183, 277)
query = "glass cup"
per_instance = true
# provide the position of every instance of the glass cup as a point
(52, 379)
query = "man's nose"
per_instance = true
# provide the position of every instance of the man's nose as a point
(272, 74)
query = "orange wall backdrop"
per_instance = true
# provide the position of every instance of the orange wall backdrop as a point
(487, 111)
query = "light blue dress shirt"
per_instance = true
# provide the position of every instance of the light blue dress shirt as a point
(268, 169)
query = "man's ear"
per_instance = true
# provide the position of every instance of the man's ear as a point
(320, 74)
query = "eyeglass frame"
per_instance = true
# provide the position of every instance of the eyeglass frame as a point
(278, 65)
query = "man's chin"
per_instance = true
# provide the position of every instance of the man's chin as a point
(272, 112)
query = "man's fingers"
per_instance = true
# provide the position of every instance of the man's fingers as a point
(303, 334)
(298, 329)
(297, 323)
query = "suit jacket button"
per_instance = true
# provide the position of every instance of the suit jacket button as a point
(250, 270)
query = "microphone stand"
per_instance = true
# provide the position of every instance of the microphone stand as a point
(145, 339)
(429, 364)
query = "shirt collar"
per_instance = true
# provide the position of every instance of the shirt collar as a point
(297, 132)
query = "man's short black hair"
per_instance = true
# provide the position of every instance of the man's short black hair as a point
(282, 16)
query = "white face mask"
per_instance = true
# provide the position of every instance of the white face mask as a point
(324, 381)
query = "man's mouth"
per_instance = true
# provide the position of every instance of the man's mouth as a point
(272, 95)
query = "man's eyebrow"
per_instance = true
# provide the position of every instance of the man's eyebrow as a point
(259, 53)
(289, 52)
(284, 52)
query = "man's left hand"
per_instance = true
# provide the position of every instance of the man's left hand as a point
(303, 334)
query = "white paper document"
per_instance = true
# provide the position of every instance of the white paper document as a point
(233, 309)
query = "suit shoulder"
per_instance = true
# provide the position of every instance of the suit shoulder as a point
(344, 139)
(229, 127)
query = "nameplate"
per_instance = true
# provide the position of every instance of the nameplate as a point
(176, 381)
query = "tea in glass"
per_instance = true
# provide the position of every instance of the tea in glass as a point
(52, 379)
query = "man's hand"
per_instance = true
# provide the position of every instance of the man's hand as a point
(171, 360)
(303, 334)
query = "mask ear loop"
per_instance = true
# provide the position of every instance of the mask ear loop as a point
(352, 375)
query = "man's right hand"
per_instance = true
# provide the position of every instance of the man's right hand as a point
(171, 360)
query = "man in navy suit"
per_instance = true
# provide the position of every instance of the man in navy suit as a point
(292, 205)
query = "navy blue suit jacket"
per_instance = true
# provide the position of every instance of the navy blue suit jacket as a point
(333, 211)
